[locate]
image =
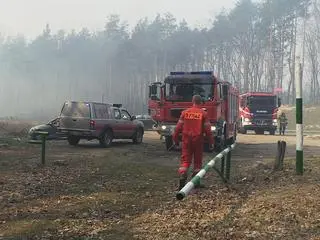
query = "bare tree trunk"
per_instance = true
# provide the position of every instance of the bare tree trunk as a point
(292, 63)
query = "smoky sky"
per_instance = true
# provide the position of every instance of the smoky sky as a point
(29, 17)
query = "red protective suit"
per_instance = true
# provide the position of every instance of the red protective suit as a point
(193, 123)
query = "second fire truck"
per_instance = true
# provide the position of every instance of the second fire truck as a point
(258, 112)
(220, 99)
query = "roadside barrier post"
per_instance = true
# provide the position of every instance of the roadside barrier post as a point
(43, 136)
(228, 165)
(281, 149)
(222, 165)
(299, 117)
(211, 164)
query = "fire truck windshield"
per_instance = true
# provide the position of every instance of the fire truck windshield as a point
(183, 92)
(262, 101)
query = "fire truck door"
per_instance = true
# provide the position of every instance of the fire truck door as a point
(226, 99)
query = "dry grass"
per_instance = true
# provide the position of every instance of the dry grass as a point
(127, 192)
(96, 192)
(16, 128)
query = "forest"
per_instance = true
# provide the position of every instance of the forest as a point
(256, 46)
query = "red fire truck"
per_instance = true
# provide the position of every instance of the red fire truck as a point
(220, 99)
(258, 112)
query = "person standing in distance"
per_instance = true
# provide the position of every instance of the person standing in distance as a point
(193, 123)
(283, 122)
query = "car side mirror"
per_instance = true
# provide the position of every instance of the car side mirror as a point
(133, 118)
(154, 90)
(154, 97)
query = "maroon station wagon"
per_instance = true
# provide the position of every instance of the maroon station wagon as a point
(102, 121)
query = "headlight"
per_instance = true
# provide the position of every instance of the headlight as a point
(247, 120)
(275, 120)
(163, 127)
(213, 128)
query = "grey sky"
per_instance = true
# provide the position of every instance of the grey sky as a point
(30, 16)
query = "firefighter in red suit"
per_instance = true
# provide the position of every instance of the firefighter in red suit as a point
(193, 123)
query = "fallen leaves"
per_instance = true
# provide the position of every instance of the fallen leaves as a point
(191, 217)
(281, 207)
(93, 193)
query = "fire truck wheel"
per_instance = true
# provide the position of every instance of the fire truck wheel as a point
(242, 131)
(206, 148)
(169, 142)
(222, 143)
(234, 137)
(231, 141)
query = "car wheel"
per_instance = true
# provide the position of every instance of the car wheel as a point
(73, 140)
(106, 139)
(169, 142)
(138, 136)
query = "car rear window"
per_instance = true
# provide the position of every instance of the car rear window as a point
(76, 109)
(101, 111)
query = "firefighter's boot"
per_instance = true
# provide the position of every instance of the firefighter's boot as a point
(182, 180)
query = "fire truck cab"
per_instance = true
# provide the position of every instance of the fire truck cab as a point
(220, 99)
(258, 112)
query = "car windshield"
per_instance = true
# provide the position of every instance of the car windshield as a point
(76, 109)
(180, 92)
(53, 121)
(262, 101)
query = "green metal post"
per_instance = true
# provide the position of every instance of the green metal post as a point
(299, 125)
(228, 166)
(222, 165)
(43, 152)
(220, 174)
(43, 136)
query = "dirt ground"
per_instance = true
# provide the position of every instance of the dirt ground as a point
(311, 117)
(128, 192)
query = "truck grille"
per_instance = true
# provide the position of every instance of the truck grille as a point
(262, 121)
